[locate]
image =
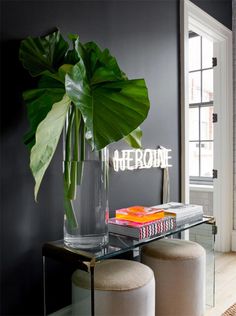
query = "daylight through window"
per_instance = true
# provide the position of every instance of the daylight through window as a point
(200, 108)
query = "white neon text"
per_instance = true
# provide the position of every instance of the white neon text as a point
(141, 159)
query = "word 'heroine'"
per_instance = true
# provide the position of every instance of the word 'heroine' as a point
(141, 159)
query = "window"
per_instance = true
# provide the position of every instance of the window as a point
(200, 109)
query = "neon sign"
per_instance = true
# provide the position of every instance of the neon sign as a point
(141, 159)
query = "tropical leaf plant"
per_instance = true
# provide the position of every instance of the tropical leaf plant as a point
(86, 85)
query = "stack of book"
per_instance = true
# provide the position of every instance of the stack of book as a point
(141, 222)
(184, 213)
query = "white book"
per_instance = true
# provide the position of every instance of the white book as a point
(182, 211)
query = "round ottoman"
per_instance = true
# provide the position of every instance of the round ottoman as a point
(179, 269)
(121, 288)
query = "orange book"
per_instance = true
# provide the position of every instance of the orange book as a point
(139, 214)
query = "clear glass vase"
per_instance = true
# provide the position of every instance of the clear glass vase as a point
(85, 193)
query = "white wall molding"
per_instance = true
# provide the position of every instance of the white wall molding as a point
(184, 101)
(206, 25)
(203, 24)
(234, 100)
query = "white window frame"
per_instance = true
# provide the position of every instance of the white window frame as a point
(200, 22)
(199, 179)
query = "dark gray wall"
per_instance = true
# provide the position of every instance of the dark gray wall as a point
(143, 35)
(146, 44)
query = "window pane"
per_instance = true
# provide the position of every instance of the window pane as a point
(206, 159)
(194, 123)
(207, 53)
(206, 123)
(194, 53)
(194, 87)
(194, 159)
(207, 85)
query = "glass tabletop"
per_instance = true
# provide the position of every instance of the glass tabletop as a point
(118, 244)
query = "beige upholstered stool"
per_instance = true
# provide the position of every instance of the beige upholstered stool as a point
(179, 269)
(121, 288)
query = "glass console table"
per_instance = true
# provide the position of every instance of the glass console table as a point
(66, 260)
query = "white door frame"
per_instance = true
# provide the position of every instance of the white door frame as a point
(203, 24)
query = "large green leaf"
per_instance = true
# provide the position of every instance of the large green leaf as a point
(47, 137)
(100, 65)
(111, 110)
(134, 138)
(39, 102)
(40, 54)
(72, 56)
(112, 106)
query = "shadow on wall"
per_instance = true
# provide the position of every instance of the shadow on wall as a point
(25, 225)
(13, 81)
